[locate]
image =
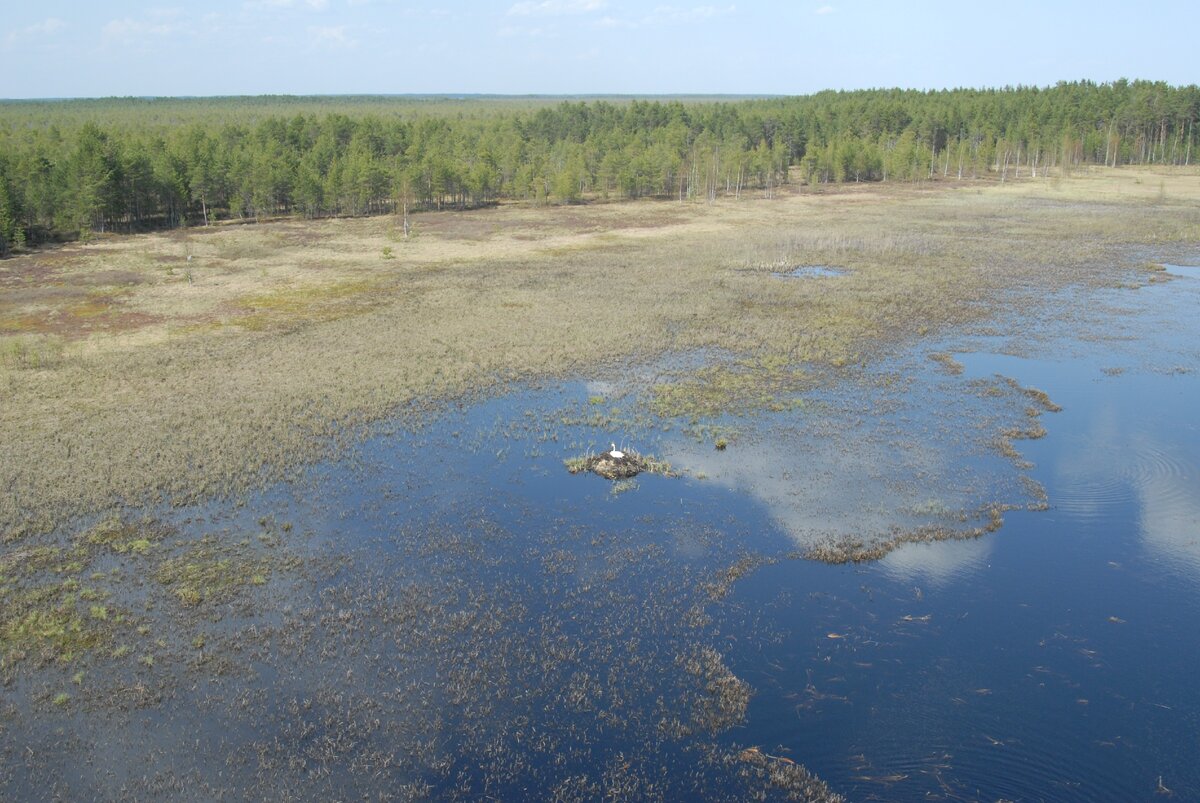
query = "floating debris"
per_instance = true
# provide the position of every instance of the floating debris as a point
(754, 754)
(886, 780)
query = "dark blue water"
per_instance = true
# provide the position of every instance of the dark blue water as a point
(1054, 660)
(472, 621)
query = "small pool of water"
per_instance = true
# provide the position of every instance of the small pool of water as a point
(1185, 271)
(810, 272)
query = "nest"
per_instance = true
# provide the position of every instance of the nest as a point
(610, 465)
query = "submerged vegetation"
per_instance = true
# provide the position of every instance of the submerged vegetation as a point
(68, 602)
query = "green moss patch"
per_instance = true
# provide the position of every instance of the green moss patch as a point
(123, 538)
(210, 571)
(747, 386)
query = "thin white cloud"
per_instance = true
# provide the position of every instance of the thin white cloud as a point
(555, 8)
(331, 36)
(214, 23)
(826, 10)
(533, 32)
(46, 27)
(315, 5)
(130, 28)
(685, 14)
(667, 15)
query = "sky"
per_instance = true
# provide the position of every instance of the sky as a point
(54, 48)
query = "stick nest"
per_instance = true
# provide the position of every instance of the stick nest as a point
(613, 467)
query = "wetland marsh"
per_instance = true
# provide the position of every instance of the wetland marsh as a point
(283, 518)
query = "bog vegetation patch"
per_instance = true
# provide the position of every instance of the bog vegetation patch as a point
(276, 340)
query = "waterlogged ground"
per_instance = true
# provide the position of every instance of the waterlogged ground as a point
(1003, 607)
(448, 614)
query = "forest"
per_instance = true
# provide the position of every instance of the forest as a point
(73, 168)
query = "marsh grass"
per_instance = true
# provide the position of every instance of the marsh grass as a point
(850, 549)
(211, 570)
(947, 362)
(50, 610)
(745, 387)
(124, 537)
(76, 600)
(32, 351)
(791, 780)
(293, 307)
(722, 698)
(293, 337)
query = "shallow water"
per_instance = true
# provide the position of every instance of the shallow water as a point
(811, 272)
(1053, 660)
(457, 616)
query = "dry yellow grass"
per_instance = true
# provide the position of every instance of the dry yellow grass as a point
(131, 373)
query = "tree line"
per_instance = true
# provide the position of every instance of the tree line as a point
(71, 168)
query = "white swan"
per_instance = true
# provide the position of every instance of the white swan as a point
(614, 452)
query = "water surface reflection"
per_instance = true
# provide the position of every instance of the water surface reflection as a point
(1052, 660)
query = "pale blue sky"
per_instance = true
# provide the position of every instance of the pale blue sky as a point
(227, 47)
